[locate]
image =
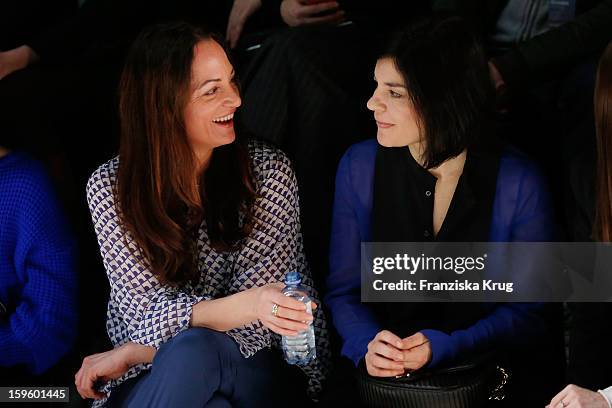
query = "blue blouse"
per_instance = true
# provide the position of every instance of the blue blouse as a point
(521, 212)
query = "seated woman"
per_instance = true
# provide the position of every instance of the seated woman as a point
(591, 328)
(38, 278)
(197, 229)
(433, 173)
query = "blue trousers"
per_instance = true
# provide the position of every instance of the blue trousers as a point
(204, 368)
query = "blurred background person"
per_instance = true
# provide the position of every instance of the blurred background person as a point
(38, 280)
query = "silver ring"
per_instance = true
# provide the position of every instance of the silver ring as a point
(275, 311)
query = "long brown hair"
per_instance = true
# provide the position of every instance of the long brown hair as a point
(161, 197)
(602, 227)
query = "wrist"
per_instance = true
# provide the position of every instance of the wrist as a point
(128, 353)
(606, 395)
(252, 295)
(134, 353)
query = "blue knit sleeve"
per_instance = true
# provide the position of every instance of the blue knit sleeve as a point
(43, 326)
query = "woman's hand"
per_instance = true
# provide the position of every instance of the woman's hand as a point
(573, 396)
(241, 11)
(385, 355)
(309, 12)
(291, 316)
(109, 365)
(416, 351)
(388, 355)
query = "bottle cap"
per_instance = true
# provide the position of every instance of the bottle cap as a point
(293, 278)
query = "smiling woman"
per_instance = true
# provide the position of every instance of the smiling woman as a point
(171, 95)
(197, 227)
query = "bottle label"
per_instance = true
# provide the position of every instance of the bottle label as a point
(309, 308)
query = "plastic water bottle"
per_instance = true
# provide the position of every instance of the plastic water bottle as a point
(299, 349)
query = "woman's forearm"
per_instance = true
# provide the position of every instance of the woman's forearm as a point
(225, 313)
(218, 314)
(137, 353)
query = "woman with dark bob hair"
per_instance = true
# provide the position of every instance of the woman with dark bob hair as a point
(197, 228)
(434, 173)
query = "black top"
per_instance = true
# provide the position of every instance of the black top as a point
(404, 198)
(403, 212)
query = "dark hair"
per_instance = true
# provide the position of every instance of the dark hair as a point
(602, 227)
(446, 74)
(157, 191)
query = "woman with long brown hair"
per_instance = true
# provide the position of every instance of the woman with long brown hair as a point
(196, 227)
(591, 328)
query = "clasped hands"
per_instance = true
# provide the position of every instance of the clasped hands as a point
(389, 356)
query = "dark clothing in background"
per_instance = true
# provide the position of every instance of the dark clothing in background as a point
(556, 50)
(81, 58)
(108, 26)
(590, 327)
(549, 80)
(590, 331)
(561, 48)
(306, 91)
(582, 181)
(22, 20)
(300, 93)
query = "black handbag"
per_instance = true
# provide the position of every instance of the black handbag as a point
(470, 384)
